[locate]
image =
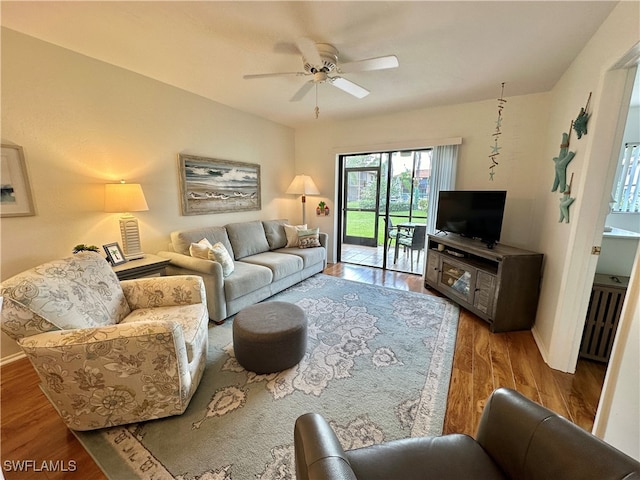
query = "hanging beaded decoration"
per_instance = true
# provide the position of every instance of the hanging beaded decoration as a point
(495, 148)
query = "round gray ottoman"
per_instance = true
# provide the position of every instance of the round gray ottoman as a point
(270, 337)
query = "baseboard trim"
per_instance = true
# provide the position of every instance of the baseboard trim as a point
(540, 344)
(11, 358)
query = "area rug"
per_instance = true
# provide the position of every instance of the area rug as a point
(377, 366)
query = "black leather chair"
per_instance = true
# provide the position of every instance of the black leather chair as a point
(516, 439)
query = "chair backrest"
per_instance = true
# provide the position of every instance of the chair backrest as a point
(419, 234)
(529, 441)
(75, 292)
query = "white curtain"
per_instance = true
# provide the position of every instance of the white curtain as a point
(444, 161)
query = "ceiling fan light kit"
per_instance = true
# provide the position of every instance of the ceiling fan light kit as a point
(321, 62)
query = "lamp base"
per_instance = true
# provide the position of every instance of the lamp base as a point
(130, 237)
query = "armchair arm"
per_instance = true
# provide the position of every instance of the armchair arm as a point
(318, 453)
(100, 377)
(164, 291)
(211, 273)
(529, 441)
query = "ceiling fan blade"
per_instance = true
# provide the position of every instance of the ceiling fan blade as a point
(378, 63)
(299, 95)
(267, 75)
(349, 87)
(309, 50)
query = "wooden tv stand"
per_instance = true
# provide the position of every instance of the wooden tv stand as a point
(501, 285)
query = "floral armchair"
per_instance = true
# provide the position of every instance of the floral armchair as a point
(108, 352)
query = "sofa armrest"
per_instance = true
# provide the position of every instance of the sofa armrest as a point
(99, 377)
(318, 453)
(154, 292)
(211, 274)
(194, 264)
(323, 238)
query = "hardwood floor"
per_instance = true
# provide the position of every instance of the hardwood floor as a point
(32, 430)
(484, 361)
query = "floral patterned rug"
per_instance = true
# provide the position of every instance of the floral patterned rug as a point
(377, 366)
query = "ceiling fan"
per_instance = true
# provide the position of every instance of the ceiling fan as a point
(320, 61)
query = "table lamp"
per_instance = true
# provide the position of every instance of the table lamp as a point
(125, 198)
(303, 185)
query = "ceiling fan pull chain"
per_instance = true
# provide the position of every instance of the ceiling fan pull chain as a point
(317, 109)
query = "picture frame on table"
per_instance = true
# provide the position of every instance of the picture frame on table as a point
(210, 185)
(15, 196)
(114, 254)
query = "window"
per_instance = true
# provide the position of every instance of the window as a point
(626, 188)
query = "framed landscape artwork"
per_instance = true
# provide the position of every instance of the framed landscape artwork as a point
(15, 196)
(208, 185)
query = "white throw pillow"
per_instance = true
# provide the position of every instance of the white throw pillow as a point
(220, 254)
(291, 231)
(200, 249)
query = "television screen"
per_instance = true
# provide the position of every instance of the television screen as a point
(474, 214)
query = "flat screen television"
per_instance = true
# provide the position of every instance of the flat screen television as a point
(472, 213)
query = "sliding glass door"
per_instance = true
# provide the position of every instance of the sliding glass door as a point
(384, 198)
(362, 186)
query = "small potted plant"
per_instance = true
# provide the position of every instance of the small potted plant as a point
(320, 208)
(81, 247)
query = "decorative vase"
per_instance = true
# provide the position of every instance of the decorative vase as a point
(326, 210)
(318, 211)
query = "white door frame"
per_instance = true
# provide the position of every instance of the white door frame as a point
(587, 231)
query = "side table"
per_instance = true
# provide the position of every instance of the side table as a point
(141, 267)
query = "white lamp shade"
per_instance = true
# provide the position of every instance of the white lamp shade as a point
(303, 185)
(124, 197)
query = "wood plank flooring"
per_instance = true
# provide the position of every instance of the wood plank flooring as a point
(32, 430)
(484, 361)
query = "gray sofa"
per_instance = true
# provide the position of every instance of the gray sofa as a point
(263, 265)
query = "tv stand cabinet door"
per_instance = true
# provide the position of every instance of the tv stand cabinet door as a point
(433, 267)
(457, 279)
(485, 293)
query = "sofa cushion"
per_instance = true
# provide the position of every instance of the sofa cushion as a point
(425, 457)
(181, 240)
(281, 264)
(80, 291)
(247, 238)
(310, 256)
(245, 279)
(274, 231)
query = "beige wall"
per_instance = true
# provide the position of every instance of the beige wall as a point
(569, 265)
(83, 123)
(532, 132)
(521, 166)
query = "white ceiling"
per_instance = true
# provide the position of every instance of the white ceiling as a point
(449, 52)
